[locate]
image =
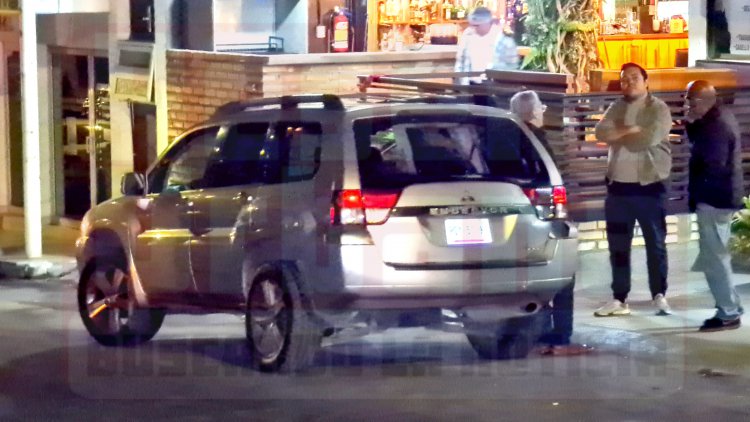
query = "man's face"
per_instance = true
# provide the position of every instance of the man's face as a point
(482, 29)
(632, 83)
(697, 105)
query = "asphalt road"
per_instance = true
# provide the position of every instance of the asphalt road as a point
(644, 368)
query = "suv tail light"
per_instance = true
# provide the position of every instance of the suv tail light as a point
(549, 202)
(362, 207)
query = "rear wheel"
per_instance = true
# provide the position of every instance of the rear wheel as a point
(280, 333)
(514, 339)
(107, 309)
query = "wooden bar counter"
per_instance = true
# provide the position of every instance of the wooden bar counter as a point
(652, 51)
(675, 79)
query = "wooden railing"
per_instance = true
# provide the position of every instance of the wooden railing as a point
(570, 120)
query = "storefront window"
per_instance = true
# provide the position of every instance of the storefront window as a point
(728, 33)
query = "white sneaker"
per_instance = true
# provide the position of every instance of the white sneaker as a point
(662, 307)
(613, 308)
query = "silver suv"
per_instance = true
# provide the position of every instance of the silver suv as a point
(310, 215)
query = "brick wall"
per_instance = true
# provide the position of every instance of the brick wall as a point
(199, 82)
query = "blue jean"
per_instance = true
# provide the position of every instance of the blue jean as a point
(621, 212)
(714, 260)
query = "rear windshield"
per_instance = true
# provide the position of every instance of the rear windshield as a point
(394, 152)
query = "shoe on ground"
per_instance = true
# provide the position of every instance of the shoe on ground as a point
(662, 307)
(613, 308)
(718, 324)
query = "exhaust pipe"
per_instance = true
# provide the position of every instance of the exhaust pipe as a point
(531, 308)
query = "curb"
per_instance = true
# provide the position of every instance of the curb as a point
(45, 267)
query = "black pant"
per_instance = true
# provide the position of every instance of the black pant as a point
(559, 325)
(621, 212)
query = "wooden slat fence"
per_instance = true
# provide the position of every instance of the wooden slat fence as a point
(570, 120)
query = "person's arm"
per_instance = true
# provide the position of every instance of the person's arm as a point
(611, 129)
(505, 56)
(463, 61)
(718, 161)
(652, 133)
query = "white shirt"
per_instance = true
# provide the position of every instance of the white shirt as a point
(481, 48)
(475, 52)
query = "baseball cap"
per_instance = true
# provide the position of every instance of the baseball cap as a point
(480, 15)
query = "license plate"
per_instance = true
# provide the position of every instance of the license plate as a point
(470, 231)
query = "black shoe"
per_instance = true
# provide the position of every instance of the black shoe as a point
(718, 324)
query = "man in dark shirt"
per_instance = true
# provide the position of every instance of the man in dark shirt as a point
(715, 191)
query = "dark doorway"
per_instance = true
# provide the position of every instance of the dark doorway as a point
(142, 20)
(16, 130)
(83, 101)
(144, 136)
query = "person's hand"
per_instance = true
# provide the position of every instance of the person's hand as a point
(633, 130)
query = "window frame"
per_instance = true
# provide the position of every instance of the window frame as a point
(277, 171)
(157, 176)
(218, 156)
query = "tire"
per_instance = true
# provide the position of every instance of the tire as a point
(514, 339)
(280, 333)
(116, 324)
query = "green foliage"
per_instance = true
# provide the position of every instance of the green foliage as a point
(542, 25)
(562, 35)
(739, 244)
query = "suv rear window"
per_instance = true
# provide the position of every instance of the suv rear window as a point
(394, 152)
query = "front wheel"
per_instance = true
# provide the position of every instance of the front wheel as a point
(107, 309)
(280, 333)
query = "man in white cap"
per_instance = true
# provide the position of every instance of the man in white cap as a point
(484, 46)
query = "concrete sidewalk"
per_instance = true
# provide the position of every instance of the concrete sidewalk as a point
(58, 246)
(675, 336)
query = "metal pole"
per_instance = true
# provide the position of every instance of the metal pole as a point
(32, 179)
(5, 175)
(92, 133)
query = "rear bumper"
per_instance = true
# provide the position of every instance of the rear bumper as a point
(370, 284)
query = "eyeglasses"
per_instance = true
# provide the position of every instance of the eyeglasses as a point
(630, 80)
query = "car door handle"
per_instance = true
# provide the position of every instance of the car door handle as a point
(194, 219)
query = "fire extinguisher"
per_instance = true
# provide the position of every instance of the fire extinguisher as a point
(340, 31)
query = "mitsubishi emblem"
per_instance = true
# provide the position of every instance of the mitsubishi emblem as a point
(467, 197)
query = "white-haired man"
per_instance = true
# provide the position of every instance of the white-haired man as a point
(527, 106)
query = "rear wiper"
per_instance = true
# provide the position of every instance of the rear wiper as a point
(468, 176)
(489, 178)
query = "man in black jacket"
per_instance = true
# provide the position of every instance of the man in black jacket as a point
(715, 192)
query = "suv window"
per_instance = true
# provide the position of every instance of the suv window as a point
(395, 151)
(293, 152)
(239, 159)
(184, 167)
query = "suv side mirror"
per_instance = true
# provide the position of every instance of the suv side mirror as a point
(133, 184)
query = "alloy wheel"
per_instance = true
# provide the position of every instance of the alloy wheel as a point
(106, 292)
(268, 319)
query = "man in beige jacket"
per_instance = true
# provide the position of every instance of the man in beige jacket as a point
(636, 128)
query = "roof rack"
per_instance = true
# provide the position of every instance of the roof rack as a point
(476, 99)
(286, 102)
